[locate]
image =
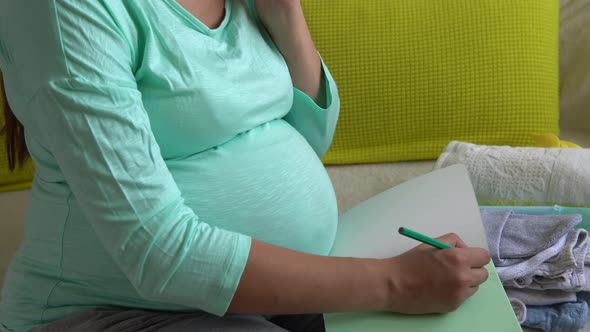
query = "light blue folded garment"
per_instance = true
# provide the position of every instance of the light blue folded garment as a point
(564, 317)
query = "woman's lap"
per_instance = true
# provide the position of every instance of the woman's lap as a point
(136, 320)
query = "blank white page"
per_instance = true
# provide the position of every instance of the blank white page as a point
(434, 204)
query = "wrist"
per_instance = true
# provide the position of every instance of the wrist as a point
(391, 283)
(380, 282)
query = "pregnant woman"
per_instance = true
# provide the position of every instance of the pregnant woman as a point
(178, 183)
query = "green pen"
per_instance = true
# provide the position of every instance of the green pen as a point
(423, 238)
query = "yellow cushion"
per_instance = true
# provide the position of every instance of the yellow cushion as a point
(416, 74)
(20, 178)
(552, 141)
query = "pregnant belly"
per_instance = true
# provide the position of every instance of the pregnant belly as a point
(267, 183)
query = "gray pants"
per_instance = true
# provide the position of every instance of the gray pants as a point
(136, 320)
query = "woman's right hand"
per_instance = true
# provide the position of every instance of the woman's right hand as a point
(423, 280)
(429, 280)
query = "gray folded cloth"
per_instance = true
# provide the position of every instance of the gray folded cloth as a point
(537, 252)
(513, 237)
(564, 271)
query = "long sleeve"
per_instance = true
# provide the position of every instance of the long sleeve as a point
(93, 123)
(315, 123)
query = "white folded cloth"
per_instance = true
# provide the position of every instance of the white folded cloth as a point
(503, 175)
(541, 297)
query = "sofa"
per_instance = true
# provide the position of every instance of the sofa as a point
(355, 183)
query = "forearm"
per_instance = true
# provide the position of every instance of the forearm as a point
(290, 33)
(281, 281)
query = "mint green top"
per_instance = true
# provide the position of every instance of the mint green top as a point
(162, 148)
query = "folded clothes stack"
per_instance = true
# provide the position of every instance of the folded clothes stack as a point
(543, 263)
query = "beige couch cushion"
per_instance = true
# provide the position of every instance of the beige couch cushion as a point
(574, 64)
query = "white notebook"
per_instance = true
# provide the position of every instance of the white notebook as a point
(434, 204)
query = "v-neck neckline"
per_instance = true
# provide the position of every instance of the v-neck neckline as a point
(198, 24)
